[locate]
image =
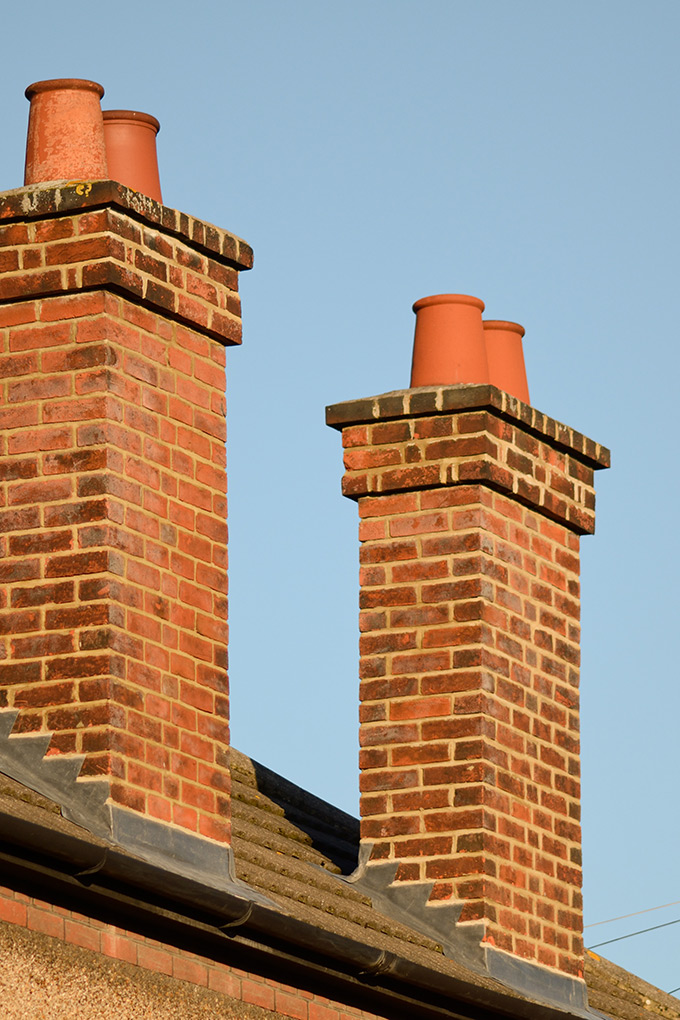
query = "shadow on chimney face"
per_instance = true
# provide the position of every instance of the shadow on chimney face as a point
(324, 835)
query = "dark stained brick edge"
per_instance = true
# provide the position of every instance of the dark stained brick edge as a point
(40, 201)
(428, 400)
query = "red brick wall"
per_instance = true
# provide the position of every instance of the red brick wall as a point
(129, 947)
(113, 603)
(469, 663)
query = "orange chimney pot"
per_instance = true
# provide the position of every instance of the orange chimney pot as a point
(506, 358)
(131, 150)
(65, 131)
(448, 346)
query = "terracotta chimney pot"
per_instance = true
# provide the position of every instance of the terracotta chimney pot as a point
(448, 346)
(131, 150)
(65, 131)
(506, 357)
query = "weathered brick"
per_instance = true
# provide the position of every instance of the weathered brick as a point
(109, 403)
(466, 655)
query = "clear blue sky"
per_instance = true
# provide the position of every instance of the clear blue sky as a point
(374, 152)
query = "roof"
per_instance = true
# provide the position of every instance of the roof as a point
(622, 995)
(296, 852)
(283, 837)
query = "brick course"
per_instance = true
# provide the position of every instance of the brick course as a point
(471, 506)
(129, 947)
(113, 603)
(58, 240)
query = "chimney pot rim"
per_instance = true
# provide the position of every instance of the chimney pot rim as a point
(448, 299)
(511, 327)
(63, 84)
(135, 116)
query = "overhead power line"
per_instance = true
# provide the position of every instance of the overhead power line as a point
(635, 913)
(643, 931)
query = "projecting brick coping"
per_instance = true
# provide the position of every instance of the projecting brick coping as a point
(430, 400)
(432, 439)
(40, 201)
(81, 236)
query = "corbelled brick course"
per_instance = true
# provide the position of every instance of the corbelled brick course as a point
(470, 506)
(99, 234)
(113, 603)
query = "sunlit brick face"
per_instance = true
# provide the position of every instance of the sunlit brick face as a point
(113, 609)
(469, 661)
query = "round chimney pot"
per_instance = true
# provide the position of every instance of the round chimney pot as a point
(448, 346)
(131, 150)
(506, 357)
(65, 131)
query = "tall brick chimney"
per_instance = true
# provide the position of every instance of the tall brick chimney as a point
(115, 312)
(471, 506)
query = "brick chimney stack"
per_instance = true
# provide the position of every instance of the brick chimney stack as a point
(115, 312)
(471, 507)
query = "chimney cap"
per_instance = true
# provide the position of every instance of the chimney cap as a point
(54, 84)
